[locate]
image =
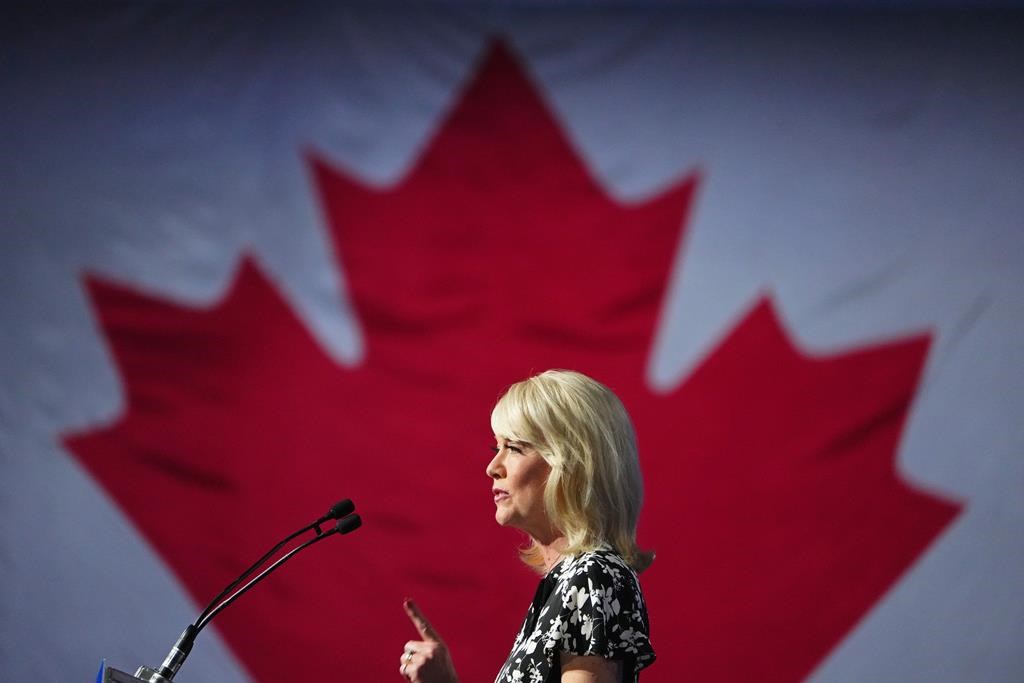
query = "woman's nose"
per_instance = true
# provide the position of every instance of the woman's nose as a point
(493, 467)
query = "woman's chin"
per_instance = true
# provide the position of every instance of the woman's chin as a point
(503, 518)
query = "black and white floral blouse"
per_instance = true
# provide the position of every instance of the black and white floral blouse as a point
(589, 604)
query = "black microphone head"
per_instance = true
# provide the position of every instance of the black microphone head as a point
(350, 523)
(340, 509)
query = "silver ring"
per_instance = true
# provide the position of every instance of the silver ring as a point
(408, 656)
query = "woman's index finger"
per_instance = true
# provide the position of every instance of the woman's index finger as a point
(426, 630)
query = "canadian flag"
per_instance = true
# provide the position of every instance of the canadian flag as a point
(261, 260)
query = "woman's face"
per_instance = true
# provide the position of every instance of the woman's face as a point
(518, 474)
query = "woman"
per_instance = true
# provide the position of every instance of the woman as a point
(566, 472)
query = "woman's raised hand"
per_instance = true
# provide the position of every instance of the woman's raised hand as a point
(427, 660)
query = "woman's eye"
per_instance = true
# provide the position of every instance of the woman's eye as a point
(495, 450)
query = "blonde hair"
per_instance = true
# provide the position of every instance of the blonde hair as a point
(594, 491)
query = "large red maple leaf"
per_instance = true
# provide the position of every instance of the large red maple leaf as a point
(773, 500)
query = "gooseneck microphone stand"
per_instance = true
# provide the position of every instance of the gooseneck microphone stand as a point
(347, 522)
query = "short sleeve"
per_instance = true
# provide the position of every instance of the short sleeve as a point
(601, 612)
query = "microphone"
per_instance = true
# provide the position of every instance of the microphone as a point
(338, 510)
(344, 526)
(343, 508)
(347, 523)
